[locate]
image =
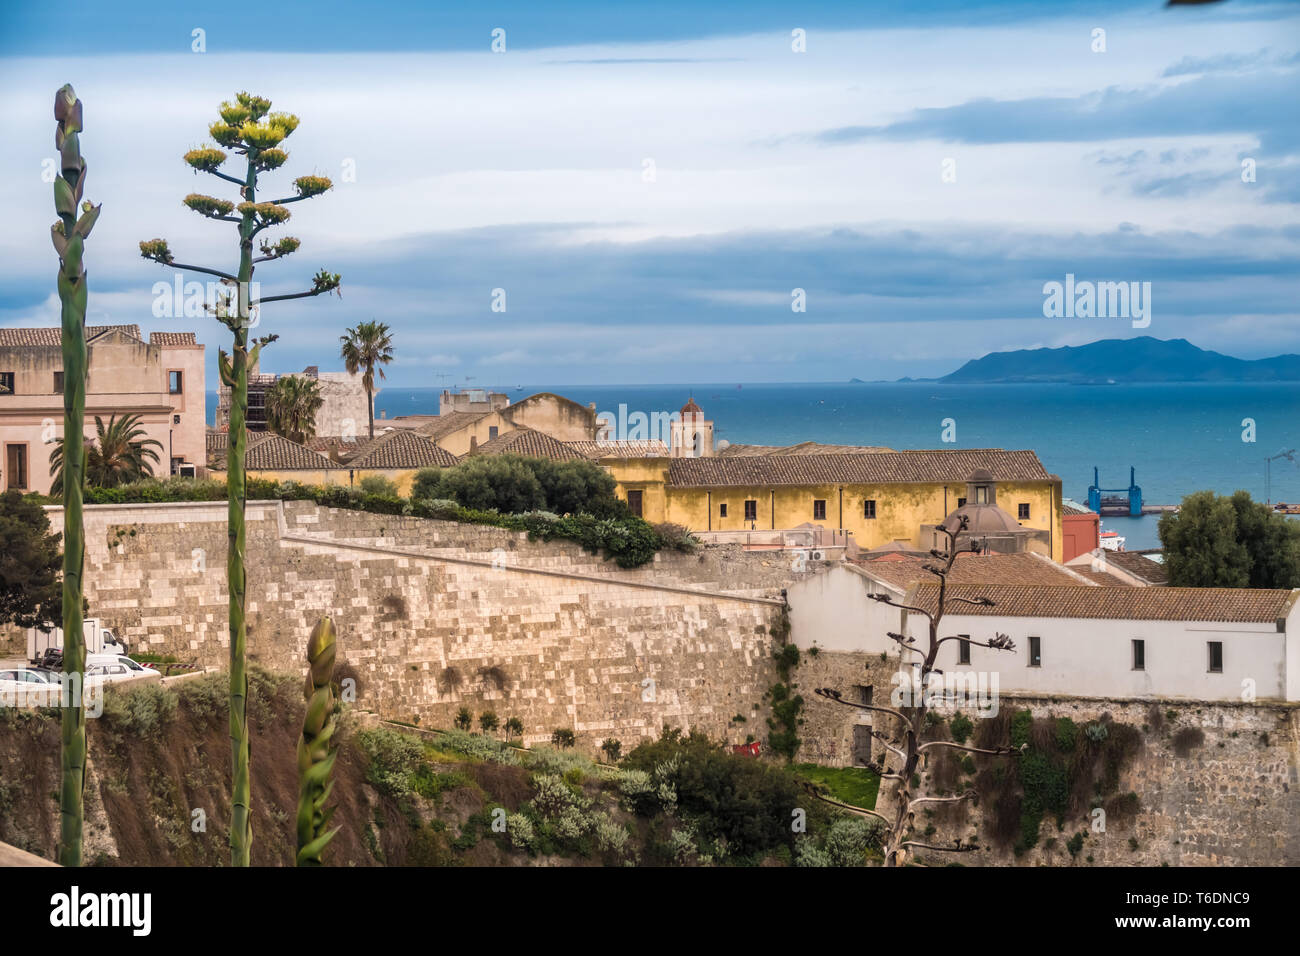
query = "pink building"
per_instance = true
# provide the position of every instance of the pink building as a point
(161, 380)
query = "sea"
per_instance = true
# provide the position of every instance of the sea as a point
(1178, 438)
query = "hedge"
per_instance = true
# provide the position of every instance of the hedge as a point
(630, 542)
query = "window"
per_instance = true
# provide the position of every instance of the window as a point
(175, 385)
(16, 470)
(963, 649)
(1216, 657)
(961, 502)
(1022, 511)
(722, 510)
(176, 419)
(869, 508)
(1035, 652)
(634, 502)
(863, 693)
(492, 432)
(6, 383)
(819, 510)
(176, 465)
(1139, 655)
(981, 494)
(58, 383)
(751, 510)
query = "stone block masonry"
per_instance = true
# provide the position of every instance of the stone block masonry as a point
(436, 615)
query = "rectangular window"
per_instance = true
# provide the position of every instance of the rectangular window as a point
(819, 510)
(634, 502)
(751, 510)
(961, 502)
(175, 385)
(1022, 511)
(869, 508)
(6, 383)
(862, 693)
(963, 649)
(1035, 652)
(981, 495)
(1216, 657)
(16, 470)
(722, 510)
(492, 432)
(1139, 655)
(58, 383)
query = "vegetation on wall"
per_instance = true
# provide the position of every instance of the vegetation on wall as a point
(787, 706)
(1061, 772)
(629, 541)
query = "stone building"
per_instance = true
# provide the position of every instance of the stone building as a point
(342, 414)
(161, 380)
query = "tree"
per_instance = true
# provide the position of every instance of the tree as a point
(31, 593)
(463, 719)
(121, 452)
(1229, 542)
(291, 407)
(369, 345)
(248, 127)
(906, 744)
(514, 727)
(487, 721)
(69, 235)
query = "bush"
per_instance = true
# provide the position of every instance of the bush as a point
(849, 839)
(960, 727)
(523, 836)
(562, 737)
(141, 711)
(677, 537)
(378, 485)
(393, 758)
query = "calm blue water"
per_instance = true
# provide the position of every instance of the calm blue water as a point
(1181, 438)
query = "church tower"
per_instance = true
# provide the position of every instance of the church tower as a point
(691, 435)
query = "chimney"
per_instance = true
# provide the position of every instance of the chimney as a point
(473, 444)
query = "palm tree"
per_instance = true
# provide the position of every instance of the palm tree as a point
(119, 453)
(368, 345)
(291, 407)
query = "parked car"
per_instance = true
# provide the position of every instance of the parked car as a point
(111, 668)
(19, 684)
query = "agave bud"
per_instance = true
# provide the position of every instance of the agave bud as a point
(321, 648)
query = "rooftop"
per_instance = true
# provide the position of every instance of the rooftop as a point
(443, 425)
(52, 336)
(1227, 605)
(401, 448)
(875, 468)
(802, 448)
(1019, 568)
(531, 443)
(1138, 565)
(619, 449)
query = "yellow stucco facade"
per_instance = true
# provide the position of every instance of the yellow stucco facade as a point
(900, 508)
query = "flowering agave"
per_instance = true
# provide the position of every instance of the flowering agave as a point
(245, 129)
(317, 746)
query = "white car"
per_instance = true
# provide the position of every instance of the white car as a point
(111, 668)
(27, 684)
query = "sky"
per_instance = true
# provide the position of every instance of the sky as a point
(650, 191)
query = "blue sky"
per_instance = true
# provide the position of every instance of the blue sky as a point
(773, 170)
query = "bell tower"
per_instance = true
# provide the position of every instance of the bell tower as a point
(691, 435)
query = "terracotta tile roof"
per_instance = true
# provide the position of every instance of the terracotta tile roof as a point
(52, 337)
(347, 447)
(444, 425)
(530, 443)
(803, 448)
(1020, 568)
(172, 338)
(1103, 579)
(1138, 565)
(270, 452)
(954, 465)
(401, 448)
(1229, 605)
(596, 450)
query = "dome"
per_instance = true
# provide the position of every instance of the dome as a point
(982, 519)
(981, 474)
(691, 409)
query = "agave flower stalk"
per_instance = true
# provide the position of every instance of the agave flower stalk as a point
(317, 746)
(69, 235)
(247, 127)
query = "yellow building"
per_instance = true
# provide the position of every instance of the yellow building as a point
(876, 497)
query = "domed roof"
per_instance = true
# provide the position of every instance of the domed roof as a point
(690, 408)
(982, 519)
(981, 474)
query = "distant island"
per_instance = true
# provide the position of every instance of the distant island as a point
(1115, 361)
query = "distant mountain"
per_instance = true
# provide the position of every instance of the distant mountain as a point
(1142, 359)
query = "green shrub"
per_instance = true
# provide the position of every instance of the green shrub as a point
(849, 838)
(141, 711)
(378, 485)
(563, 737)
(392, 760)
(960, 727)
